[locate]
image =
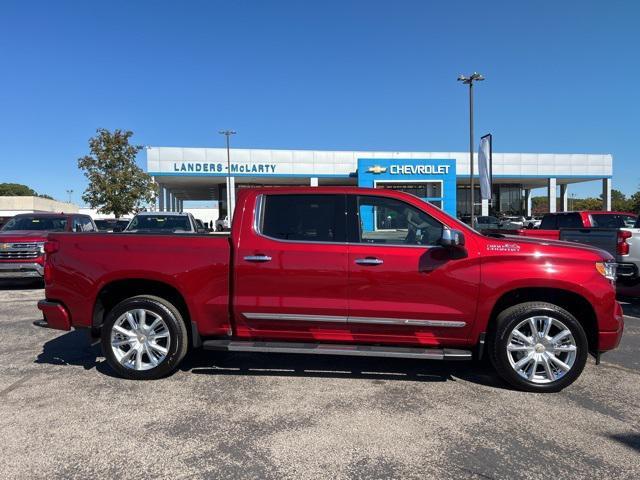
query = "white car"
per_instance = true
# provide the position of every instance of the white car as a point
(223, 224)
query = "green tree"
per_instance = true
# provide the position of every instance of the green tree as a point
(116, 184)
(19, 190)
(589, 203)
(634, 202)
(619, 201)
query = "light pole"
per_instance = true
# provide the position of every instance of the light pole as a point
(69, 192)
(474, 77)
(228, 133)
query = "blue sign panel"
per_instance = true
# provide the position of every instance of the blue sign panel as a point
(430, 179)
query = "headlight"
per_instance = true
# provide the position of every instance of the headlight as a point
(40, 246)
(607, 270)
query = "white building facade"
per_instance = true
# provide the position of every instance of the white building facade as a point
(185, 174)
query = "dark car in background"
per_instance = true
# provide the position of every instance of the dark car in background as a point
(163, 222)
(112, 224)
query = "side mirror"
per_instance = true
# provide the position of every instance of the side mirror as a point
(452, 238)
(200, 230)
(118, 229)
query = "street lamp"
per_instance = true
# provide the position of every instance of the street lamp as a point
(228, 133)
(474, 77)
(69, 192)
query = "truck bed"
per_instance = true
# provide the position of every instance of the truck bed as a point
(87, 263)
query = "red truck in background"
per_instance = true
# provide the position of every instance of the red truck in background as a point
(22, 241)
(338, 271)
(552, 223)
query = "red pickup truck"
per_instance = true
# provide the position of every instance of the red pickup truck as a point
(338, 271)
(552, 223)
(22, 241)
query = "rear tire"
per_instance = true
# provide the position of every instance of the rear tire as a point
(538, 347)
(144, 338)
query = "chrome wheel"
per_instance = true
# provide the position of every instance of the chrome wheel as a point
(140, 339)
(541, 349)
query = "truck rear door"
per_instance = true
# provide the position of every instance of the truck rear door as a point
(290, 268)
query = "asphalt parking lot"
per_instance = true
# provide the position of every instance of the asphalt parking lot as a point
(63, 414)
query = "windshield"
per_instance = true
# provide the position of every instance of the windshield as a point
(160, 223)
(49, 224)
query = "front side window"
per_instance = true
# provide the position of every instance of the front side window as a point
(309, 218)
(393, 222)
(612, 220)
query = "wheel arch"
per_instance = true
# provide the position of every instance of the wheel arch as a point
(114, 292)
(572, 302)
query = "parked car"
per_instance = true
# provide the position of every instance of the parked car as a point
(532, 222)
(486, 222)
(163, 222)
(309, 270)
(622, 243)
(22, 241)
(512, 223)
(552, 223)
(111, 224)
(222, 224)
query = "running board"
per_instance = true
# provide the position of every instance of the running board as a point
(336, 349)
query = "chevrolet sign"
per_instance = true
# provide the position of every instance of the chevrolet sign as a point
(377, 169)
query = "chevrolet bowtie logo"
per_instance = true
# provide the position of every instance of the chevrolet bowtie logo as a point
(377, 169)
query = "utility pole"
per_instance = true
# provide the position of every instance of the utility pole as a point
(474, 77)
(227, 134)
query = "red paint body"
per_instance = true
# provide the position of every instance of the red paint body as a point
(321, 279)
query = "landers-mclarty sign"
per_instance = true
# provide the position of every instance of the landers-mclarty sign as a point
(214, 168)
(419, 169)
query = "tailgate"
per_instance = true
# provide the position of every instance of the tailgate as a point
(603, 238)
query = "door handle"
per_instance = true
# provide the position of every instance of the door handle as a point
(369, 261)
(257, 258)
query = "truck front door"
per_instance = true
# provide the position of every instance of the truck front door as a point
(403, 286)
(290, 268)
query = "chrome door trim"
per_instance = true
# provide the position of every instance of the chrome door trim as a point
(257, 258)
(295, 317)
(408, 322)
(359, 320)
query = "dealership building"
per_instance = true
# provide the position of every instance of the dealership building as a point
(442, 178)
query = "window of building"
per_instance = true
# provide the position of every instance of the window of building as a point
(309, 218)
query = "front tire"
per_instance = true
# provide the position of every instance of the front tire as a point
(144, 338)
(538, 347)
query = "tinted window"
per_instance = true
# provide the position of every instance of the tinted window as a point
(160, 223)
(50, 224)
(389, 221)
(570, 220)
(82, 224)
(612, 220)
(311, 218)
(549, 222)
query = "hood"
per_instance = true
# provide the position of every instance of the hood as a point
(546, 246)
(23, 235)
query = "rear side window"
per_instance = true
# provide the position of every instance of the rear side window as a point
(570, 220)
(309, 218)
(549, 222)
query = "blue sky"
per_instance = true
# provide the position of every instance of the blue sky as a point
(366, 75)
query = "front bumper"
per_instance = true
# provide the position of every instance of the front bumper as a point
(21, 270)
(608, 340)
(55, 314)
